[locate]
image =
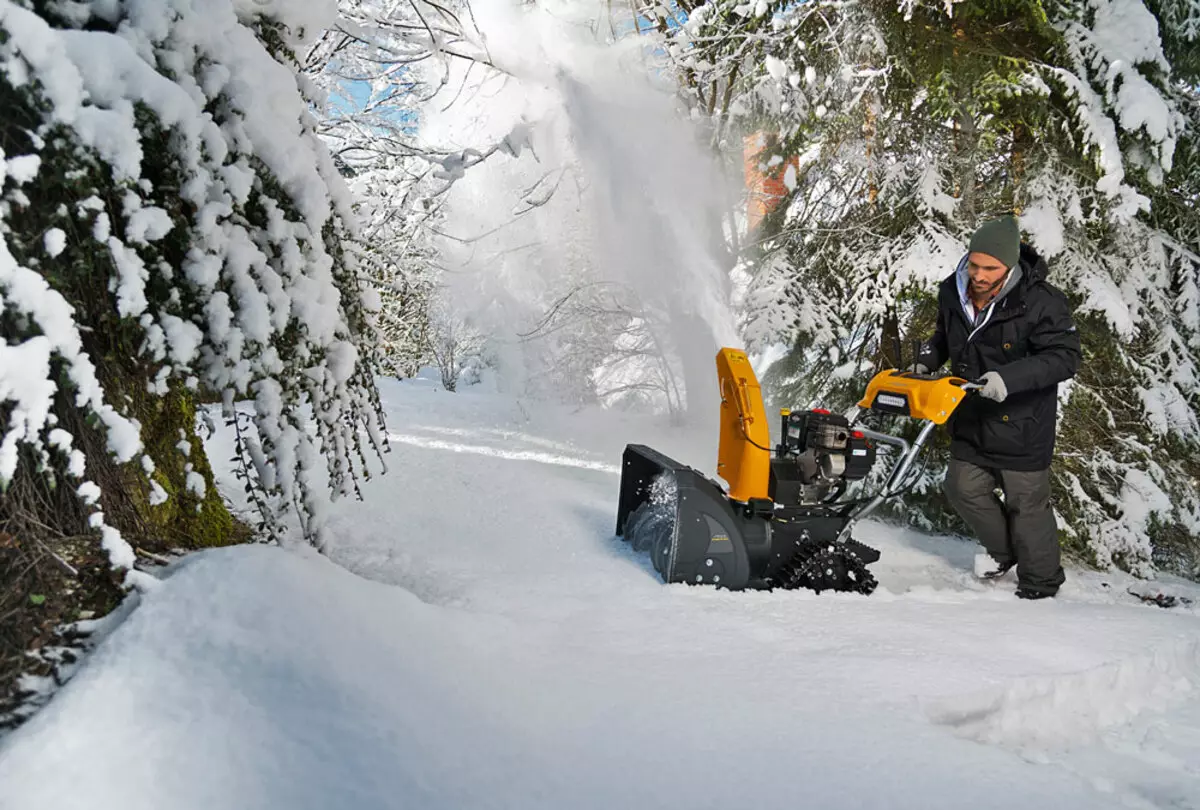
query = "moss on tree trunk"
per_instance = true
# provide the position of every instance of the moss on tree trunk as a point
(186, 520)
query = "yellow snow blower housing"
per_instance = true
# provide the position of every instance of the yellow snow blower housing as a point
(782, 523)
(744, 453)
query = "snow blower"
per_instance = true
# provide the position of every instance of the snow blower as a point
(782, 523)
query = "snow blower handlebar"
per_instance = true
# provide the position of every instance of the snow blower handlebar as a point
(908, 454)
(917, 395)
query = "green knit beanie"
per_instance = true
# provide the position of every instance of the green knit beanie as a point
(1000, 239)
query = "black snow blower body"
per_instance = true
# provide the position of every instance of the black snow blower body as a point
(782, 523)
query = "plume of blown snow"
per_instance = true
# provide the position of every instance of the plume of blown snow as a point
(612, 189)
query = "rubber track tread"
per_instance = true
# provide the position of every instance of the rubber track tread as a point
(825, 566)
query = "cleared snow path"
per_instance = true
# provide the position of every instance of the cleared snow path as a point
(528, 659)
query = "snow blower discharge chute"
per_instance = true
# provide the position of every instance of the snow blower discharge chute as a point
(781, 524)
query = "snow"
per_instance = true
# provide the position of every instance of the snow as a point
(132, 273)
(1044, 227)
(476, 637)
(195, 482)
(776, 67)
(1117, 52)
(22, 169)
(55, 241)
(23, 369)
(89, 492)
(621, 162)
(933, 199)
(1141, 497)
(183, 337)
(306, 18)
(120, 553)
(1082, 703)
(37, 44)
(158, 495)
(789, 177)
(148, 225)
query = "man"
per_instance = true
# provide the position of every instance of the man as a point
(1001, 323)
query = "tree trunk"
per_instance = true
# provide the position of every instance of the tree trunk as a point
(966, 148)
(869, 130)
(967, 158)
(1020, 147)
(889, 340)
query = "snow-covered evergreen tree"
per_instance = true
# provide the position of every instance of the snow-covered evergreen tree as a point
(174, 229)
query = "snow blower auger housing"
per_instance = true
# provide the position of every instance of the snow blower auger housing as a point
(782, 523)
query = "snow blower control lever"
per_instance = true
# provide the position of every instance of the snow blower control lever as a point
(782, 522)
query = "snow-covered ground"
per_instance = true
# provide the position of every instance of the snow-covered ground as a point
(478, 638)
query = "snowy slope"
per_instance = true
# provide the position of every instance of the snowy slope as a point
(489, 643)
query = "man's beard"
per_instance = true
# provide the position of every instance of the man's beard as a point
(981, 289)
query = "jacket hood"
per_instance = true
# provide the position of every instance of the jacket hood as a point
(1033, 266)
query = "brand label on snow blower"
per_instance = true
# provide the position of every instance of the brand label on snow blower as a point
(718, 538)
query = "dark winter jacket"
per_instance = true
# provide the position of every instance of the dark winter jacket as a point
(1028, 338)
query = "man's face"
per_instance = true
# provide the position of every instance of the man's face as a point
(986, 274)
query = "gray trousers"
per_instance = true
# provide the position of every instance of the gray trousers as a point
(1020, 528)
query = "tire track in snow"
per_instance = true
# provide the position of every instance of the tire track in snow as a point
(511, 455)
(489, 434)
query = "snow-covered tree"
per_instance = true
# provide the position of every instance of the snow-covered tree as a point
(397, 258)
(380, 69)
(454, 343)
(174, 230)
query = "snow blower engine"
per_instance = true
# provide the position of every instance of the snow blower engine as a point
(782, 523)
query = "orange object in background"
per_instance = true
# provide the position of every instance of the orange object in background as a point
(765, 190)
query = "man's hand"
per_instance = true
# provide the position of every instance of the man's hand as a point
(993, 387)
(919, 368)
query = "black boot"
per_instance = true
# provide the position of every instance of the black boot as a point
(1031, 593)
(986, 567)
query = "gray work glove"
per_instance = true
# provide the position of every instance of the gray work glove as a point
(993, 387)
(920, 368)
